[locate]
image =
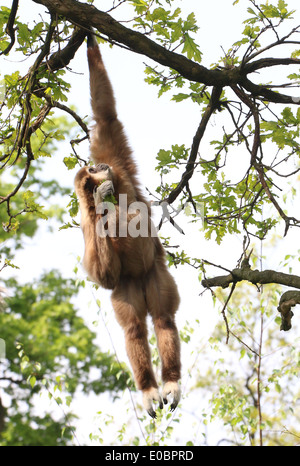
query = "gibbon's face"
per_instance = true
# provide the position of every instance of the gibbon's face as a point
(89, 177)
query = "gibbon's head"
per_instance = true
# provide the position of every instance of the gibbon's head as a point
(89, 177)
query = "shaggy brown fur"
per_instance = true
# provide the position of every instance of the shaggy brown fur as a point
(133, 267)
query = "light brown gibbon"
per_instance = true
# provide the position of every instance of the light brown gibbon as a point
(133, 266)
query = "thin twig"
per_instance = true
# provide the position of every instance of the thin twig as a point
(190, 165)
(10, 30)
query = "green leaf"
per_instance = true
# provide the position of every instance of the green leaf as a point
(164, 157)
(70, 162)
(191, 48)
(32, 381)
(23, 33)
(180, 97)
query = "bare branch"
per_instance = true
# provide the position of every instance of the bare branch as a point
(253, 276)
(29, 159)
(282, 41)
(269, 62)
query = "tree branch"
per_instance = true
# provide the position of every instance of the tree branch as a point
(56, 61)
(86, 16)
(267, 94)
(256, 162)
(253, 276)
(287, 300)
(29, 159)
(268, 62)
(190, 166)
(62, 58)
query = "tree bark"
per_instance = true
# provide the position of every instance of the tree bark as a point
(288, 300)
(253, 276)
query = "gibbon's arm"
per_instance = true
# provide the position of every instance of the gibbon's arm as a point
(108, 141)
(100, 260)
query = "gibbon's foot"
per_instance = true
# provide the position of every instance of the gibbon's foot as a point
(173, 389)
(150, 395)
(100, 192)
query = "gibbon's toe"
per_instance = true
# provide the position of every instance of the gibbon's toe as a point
(173, 389)
(150, 395)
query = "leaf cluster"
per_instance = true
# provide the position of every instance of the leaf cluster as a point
(48, 343)
(30, 129)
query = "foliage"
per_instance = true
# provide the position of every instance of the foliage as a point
(254, 381)
(32, 202)
(241, 393)
(48, 349)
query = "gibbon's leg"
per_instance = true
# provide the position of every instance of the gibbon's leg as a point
(130, 309)
(163, 300)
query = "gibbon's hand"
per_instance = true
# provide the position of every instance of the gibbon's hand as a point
(150, 395)
(100, 192)
(173, 389)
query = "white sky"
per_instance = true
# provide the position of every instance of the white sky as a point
(151, 124)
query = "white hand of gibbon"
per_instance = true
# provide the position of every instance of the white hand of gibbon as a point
(100, 192)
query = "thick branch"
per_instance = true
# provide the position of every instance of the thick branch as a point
(85, 16)
(63, 57)
(267, 94)
(268, 62)
(288, 300)
(253, 276)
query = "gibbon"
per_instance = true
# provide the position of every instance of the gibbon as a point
(132, 266)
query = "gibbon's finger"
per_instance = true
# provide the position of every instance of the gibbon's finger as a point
(97, 196)
(173, 389)
(106, 189)
(100, 192)
(150, 395)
